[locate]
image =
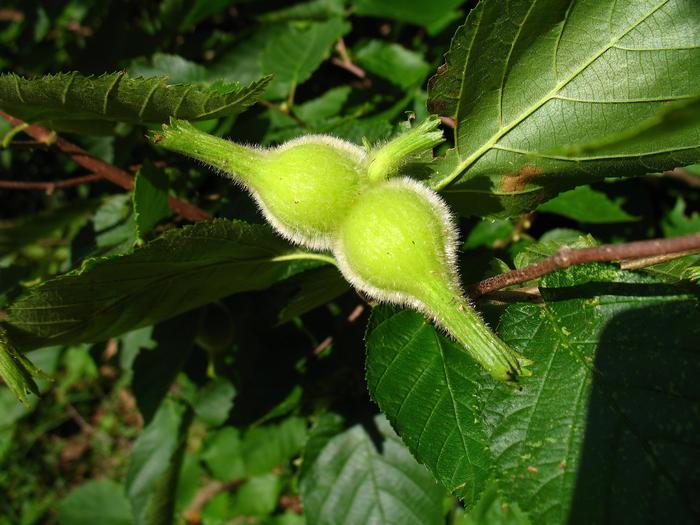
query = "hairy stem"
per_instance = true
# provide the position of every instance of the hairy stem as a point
(387, 159)
(454, 314)
(182, 137)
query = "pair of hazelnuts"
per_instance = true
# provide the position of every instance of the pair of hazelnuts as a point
(393, 238)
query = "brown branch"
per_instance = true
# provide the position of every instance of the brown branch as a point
(193, 513)
(566, 257)
(11, 15)
(346, 62)
(49, 186)
(99, 167)
(685, 176)
(351, 67)
(448, 121)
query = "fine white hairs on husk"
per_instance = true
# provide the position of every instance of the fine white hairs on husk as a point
(450, 250)
(299, 236)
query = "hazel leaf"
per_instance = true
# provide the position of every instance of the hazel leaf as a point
(181, 270)
(119, 97)
(549, 94)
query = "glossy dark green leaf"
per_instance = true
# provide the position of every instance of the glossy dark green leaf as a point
(327, 105)
(118, 97)
(179, 271)
(680, 220)
(547, 94)
(352, 482)
(609, 414)
(325, 428)
(257, 496)
(179, 70)
(489, 233)
(311, 10)
(429, 388)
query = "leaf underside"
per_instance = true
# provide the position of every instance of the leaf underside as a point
(559, 93)
(179, 271)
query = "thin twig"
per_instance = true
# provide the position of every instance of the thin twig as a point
(328, 341)
(85, 427)
(448, 121)
(49, 186)
(521, 295)
(346, 62)
(99, 167)
(350, 67)
(193, 512)
(685, 176)
(11, 15)
(566, 257)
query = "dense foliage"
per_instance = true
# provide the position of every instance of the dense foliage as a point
(188, 365)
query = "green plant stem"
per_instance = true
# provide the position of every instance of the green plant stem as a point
(182, 137)
(386, 160)
(455, 315)
(310, 256)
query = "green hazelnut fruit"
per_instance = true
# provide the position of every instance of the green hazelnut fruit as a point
(306, 186)
(303, 187)
(398, 244)
(394, 239)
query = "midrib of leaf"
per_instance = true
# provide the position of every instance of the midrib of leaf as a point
(305, 256)
(205, 114)
(462, 166)
(156, 282)
(373, 477)
(348, 461)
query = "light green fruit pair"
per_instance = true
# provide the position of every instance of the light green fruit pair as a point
(393, 239)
